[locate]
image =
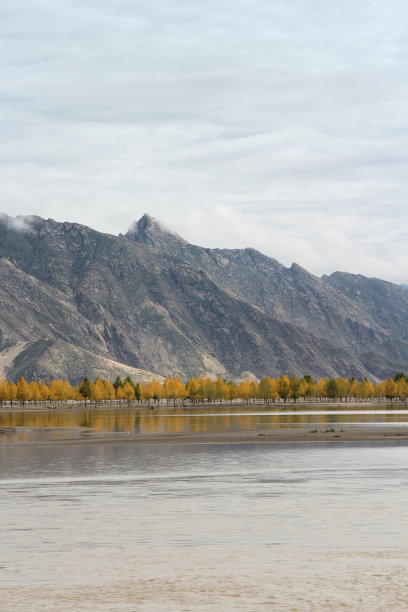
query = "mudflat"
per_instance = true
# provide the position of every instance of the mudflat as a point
(355, 433)
(300, 423)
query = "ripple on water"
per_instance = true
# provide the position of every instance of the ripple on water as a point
(203, 528)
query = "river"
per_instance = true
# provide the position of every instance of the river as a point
(203, 527)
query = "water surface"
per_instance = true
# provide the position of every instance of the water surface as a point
(203, 527)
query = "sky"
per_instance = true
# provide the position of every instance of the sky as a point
(276, 124)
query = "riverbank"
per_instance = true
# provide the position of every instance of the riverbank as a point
(370, 433)
(204, 424)
(134, 405)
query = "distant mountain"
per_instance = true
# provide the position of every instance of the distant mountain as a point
(330, 307)
(152, 301)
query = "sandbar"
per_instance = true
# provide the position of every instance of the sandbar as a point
(372, 433)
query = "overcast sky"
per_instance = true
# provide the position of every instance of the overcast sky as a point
(277, 124)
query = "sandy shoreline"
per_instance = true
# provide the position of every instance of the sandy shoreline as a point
(299, 435)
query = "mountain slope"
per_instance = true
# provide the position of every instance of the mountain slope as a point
(47, 359)
(384, 302)
(152, 301)
(323, 307)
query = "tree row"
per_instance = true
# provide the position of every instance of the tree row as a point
(202, 389)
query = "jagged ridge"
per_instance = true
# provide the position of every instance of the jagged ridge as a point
(151, 300)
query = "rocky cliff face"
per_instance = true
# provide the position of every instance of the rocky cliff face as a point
(351, 311)
(151, 300)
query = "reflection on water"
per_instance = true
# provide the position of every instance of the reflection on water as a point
(214, 527)
(63, 424)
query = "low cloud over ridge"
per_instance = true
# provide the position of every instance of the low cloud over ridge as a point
(279, 126)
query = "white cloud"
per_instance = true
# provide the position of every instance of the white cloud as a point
(279, 125)
(20, 224)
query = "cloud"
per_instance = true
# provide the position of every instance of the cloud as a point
(19, 223)
(277, 125)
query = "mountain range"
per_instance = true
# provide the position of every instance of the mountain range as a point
(76, 302)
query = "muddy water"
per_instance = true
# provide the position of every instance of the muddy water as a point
(203, 527)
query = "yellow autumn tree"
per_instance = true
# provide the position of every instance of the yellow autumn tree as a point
(4, 391)
(202, 388)
(54, 391)
(378, 391)
(68, 392)
(354, 389)
(128, 392)
(210, 389)
(157, 390)
(402, 389)
(22, 391)
(97, 391)
(390, 388)
(254, 389)
(12, 391)
(221, 389)
(109, 390)
(179, 389)
(303, 387)
(245, 390)
(311, 386)
(147, 392)
(321, 388)
(232, 391)
(152, 391)
(35, 395)
(43, 391)
(265, 389)
(364, 389)
(193, 389)
(343, 387)
(284, 387)
(295, 388)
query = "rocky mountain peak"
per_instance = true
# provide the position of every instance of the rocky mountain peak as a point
(298, 270)
(171, 307)
(149, 231)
